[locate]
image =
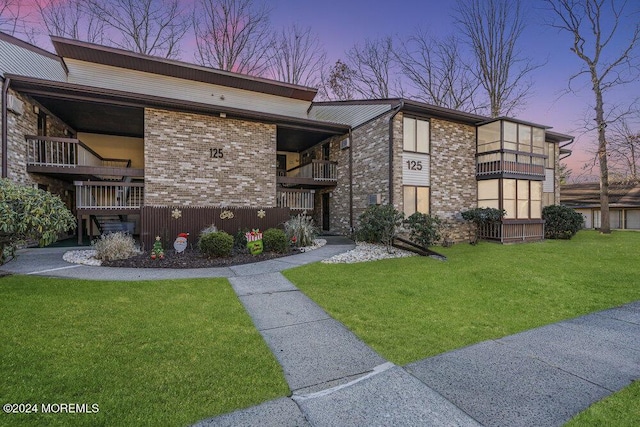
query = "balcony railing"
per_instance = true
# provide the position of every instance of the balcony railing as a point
(510, 163)
(317, 170)
(511, 231)
(66, 152)
(109, 195)
(295, 199)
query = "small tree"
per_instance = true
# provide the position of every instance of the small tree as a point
(379, 224)
(561, 222)
(481, 219)
(27, 213)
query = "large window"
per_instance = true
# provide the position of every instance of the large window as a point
(415, 135)
(416, 199)
(520, 198)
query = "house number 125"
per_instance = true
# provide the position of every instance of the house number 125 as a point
(216, 153)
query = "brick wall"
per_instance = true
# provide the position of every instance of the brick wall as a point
(27, 124)
(453, 180)
(179, 169)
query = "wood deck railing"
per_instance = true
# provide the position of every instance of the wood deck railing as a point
(109, 195)
(295, 199)
(66, 152)
(512, 231)
(317, 170)
(511, 163)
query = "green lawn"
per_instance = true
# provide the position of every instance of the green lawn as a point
(621, 409)
(408, 309)
(148, 353)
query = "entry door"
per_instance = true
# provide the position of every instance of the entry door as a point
(325, 212)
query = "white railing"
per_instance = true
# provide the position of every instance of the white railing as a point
(295, 199)
(108, 195)
(318, 170)
(66, 152)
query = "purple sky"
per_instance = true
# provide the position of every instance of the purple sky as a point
(341, 24)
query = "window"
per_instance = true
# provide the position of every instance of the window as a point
(489, 137)
(489, 193)
(550, 152)
(415, 135)
(524, 138)
(416, 199)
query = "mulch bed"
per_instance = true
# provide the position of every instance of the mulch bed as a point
(192, 259)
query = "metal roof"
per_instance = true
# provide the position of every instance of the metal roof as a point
(21, 58)
(349, 114)
(68, 48)
(587, 195)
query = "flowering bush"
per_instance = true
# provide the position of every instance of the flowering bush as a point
(115, 246)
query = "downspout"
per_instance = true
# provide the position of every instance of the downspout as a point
(560, 147)
(391, 150)
(351, 226)
(5, 144)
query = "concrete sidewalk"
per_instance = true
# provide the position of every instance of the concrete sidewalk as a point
(541, 377)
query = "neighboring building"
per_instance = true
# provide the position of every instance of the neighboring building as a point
(158, 144)
(624, 203)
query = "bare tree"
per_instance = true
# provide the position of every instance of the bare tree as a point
(72, 19)
(337, 82)
(593, 38)
(372, 66)
(624, 150)
(11, 17)
(233, 35)
(297, 57)
(151, 27)
(493, 29)
(437, 72)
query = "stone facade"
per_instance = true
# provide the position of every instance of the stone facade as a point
(201, 160)
(453, 179)
(26, 123)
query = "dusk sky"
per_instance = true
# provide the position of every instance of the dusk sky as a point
(340, 24)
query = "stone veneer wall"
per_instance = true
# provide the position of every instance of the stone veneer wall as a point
(179, 170)
(370, 151)
(453, 179)
(27, 124)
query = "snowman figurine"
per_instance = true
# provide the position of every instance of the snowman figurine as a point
(181, 243)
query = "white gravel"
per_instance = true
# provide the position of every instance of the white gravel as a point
(85, 257)
(364, 252)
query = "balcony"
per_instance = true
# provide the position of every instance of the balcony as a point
(510, 164)
(318, 173)
(115, 197)
(71, 159)
(295, 199)
(514, 231)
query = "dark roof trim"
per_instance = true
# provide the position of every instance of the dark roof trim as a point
(83, 51)
(511, 119)
(62, 90)
(28, 46)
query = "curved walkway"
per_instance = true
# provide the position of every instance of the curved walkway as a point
(540, 377)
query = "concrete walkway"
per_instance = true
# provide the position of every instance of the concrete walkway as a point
(540, 377)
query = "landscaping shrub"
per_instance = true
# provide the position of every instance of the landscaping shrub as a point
(27, 213)
(379, 224)
(216, 244)
(482, 217)
(275, 240)
(561, 222)
(301, 230)
(240, 241)
(424, 229)
(113, 246)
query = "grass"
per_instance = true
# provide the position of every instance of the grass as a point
(412, 308)
(148, 353)
(621, 409)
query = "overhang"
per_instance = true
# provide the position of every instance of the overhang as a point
(83, 51)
